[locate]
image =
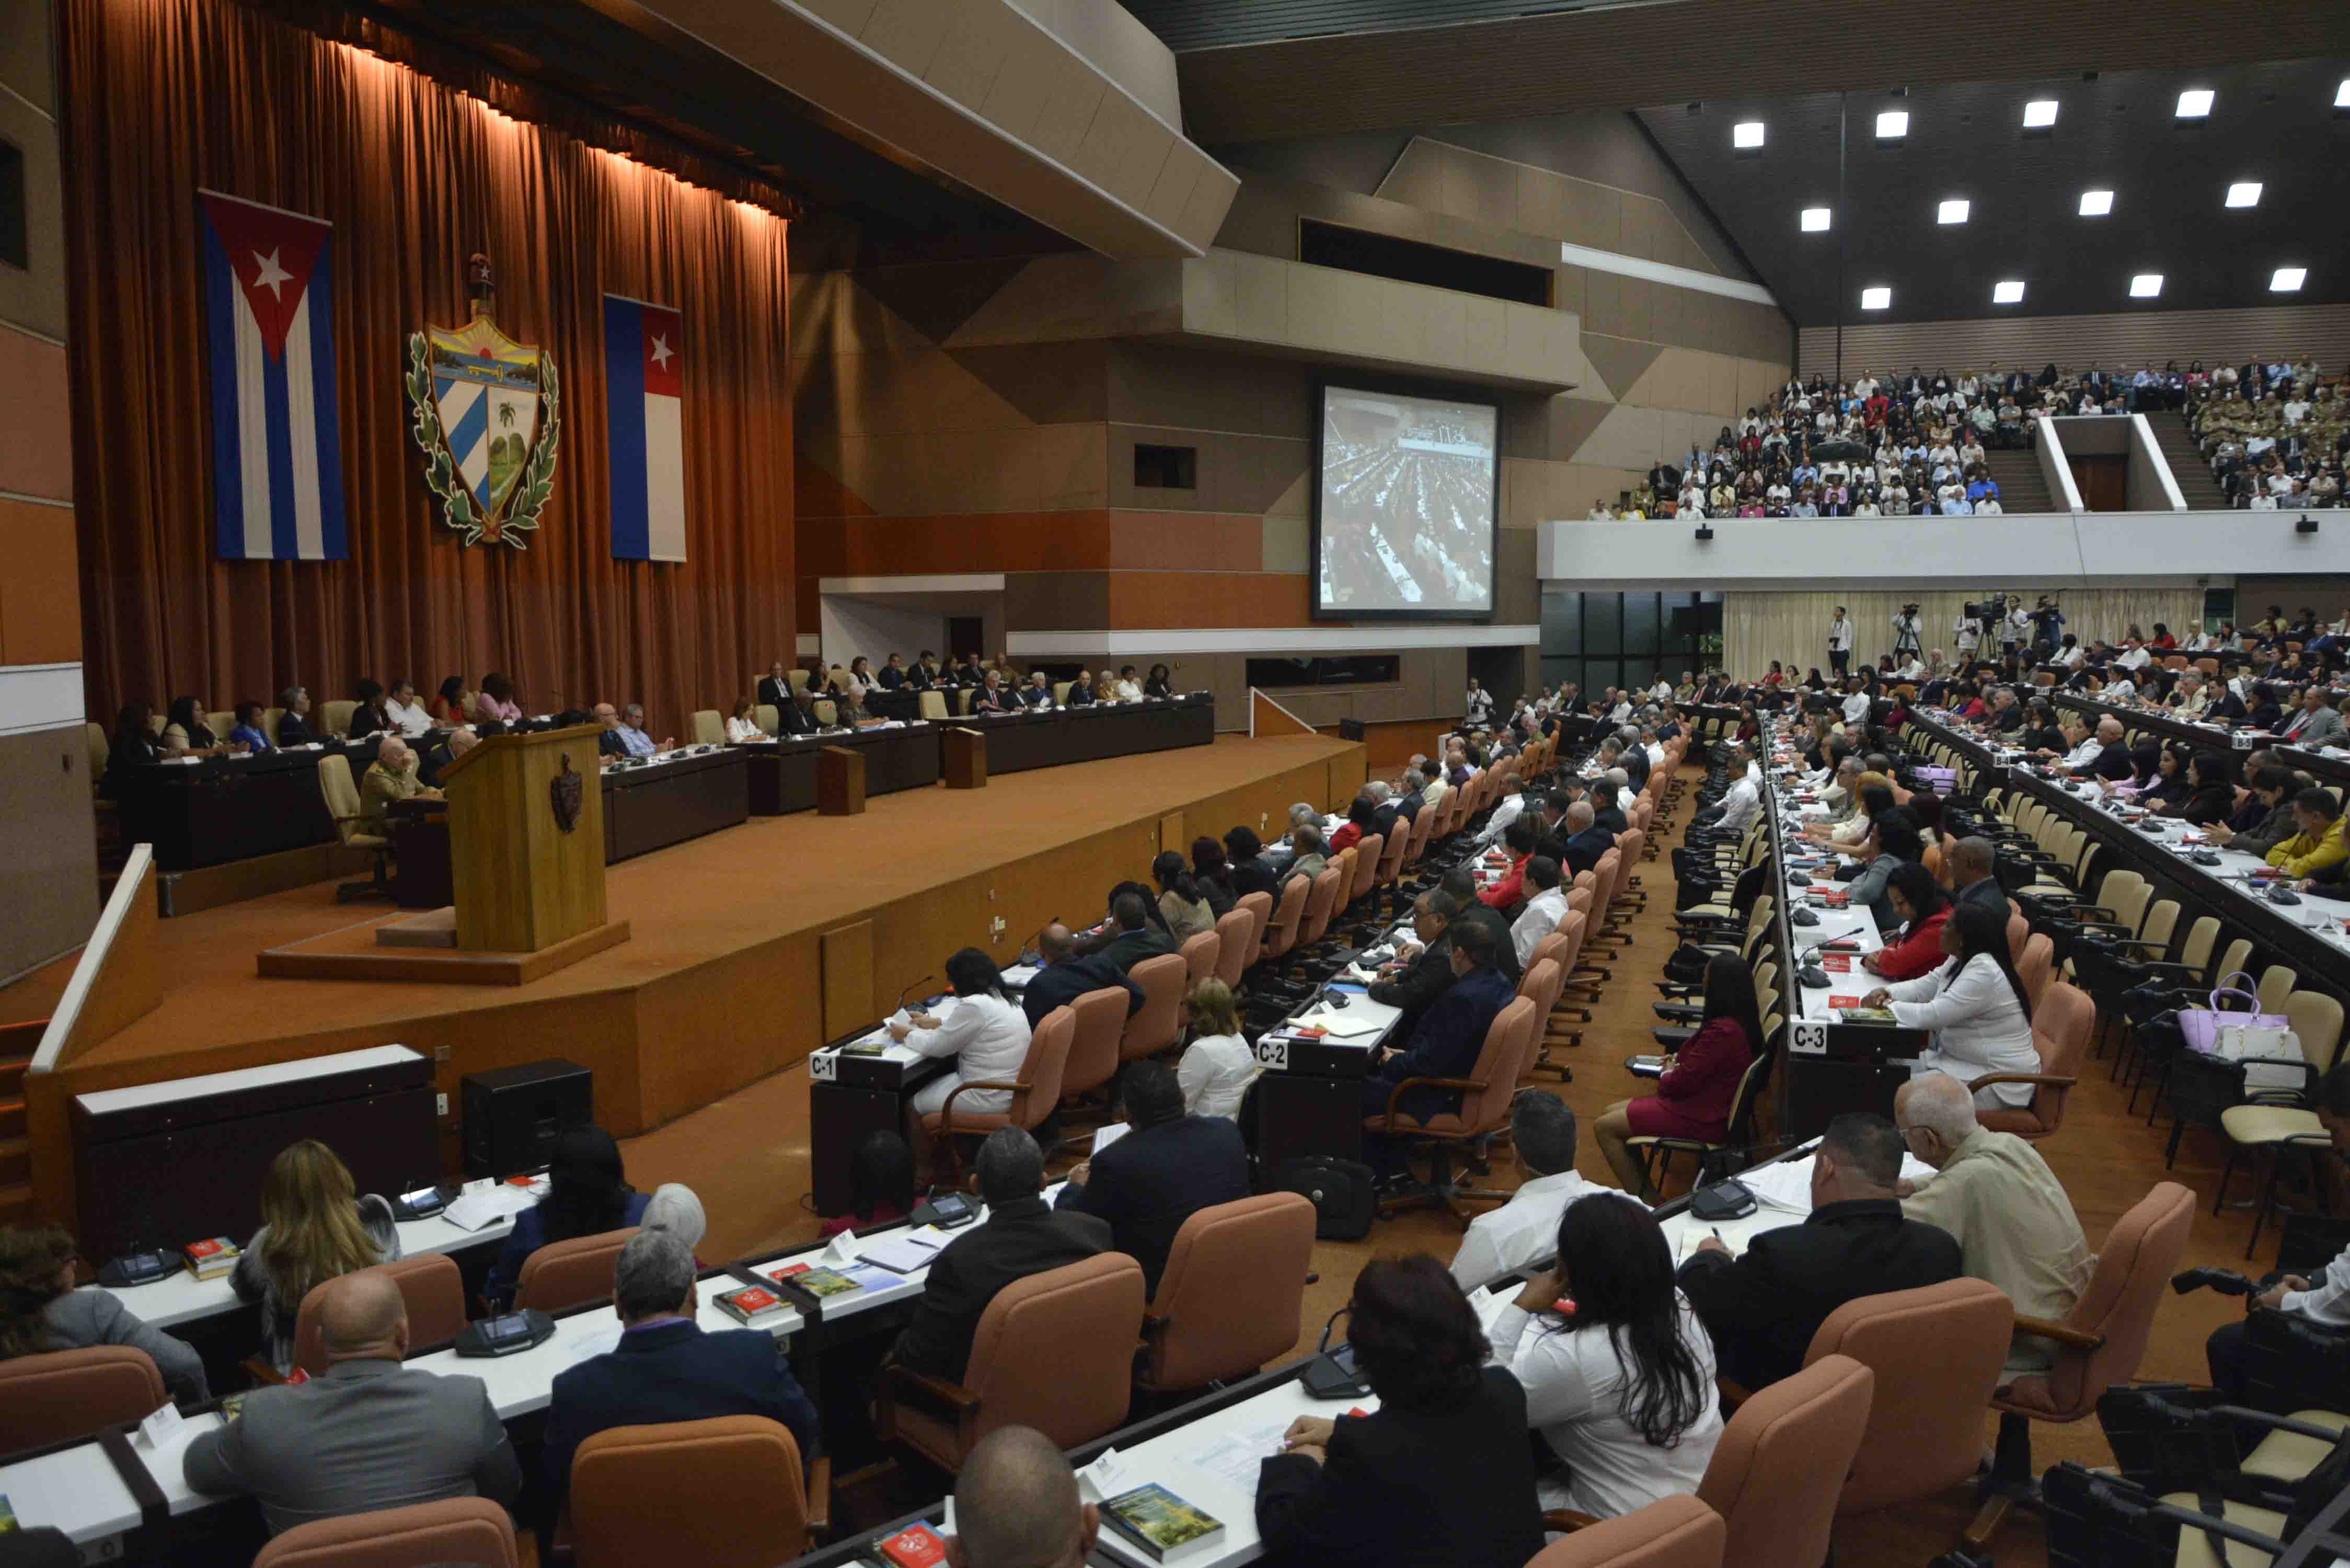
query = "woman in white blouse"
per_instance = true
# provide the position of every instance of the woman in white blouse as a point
(1975, 1005)
(1217, 1066)
(1623, 1389)
(741, 730)
(987, 1035)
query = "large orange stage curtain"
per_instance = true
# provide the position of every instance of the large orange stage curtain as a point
(163, 97)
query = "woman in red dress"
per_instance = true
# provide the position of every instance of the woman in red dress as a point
(1700, 1080)
(1924, 909)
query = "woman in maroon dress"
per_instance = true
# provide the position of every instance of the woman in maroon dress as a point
(1700, 1080)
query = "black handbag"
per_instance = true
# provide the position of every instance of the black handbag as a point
(1344, 1193)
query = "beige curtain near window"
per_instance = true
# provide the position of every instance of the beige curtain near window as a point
(1757, 628)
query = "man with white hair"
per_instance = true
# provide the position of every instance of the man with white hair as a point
(393, 777)
(624, 732)
(1997, 1197)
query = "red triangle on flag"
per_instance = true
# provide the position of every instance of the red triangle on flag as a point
(273, 254)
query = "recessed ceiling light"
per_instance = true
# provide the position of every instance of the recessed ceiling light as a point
(2096, 203)
(2342, 94)
(2008, 293)
(1746, 133)
(2146, 285)
(2040, 114)
(1892, 125)
(1953, 211)
(2288, 279)
(2244, 193)
(1817, 219)
(1875, 298)
(2195, 103)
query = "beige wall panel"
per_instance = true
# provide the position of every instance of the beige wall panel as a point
(36, 431)
(1668, 308)
(1602, 310)
(1211, 199)
(1480, 189)
(849, 15)
(25, 57)
(1627, 438)
(1209, 388)
(48, 877)
(1756, 383)
(1072, 97)
(1722, 386)
(1120, 140)
(1170, 192)
(1067, 297)
(1212, 295)
(1593, 214)
(874, 394)
(909, 33)
(1117, 45)
(1048, 468)
(1446, 329)
(1484, 323)
(2073, 341)
(1418, 178)
(1632, 300)
(966, 67)
(1638, 229)
(1288, 544)
(1540, 202)
(831, 315)
(1016, 99)
(1569, 288)
(35, 298)
(1263, 296)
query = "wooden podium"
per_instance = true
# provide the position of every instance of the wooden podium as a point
(526, 844)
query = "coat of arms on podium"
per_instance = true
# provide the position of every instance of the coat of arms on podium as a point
(487, 415)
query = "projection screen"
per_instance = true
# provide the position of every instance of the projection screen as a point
(1406, 504)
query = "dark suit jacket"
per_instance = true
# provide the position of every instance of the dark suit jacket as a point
(2113, 762)
(1763, 1308)
(1130, 947)
(890, 679)
(1414, 990)
(1583, 850)
(1031, 697)
(775, 694)
(1446, 1041)
(2228, 709)
(293, 729)
(671, 1371)
(1058, 985)
(1151, 1180)
(1019, 1238)
(1612, 819)
(1450, 1488)
(1255, 875)
(1988, 893)
(1636, 766)
(1505, 956)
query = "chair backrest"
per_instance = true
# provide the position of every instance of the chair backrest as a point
(1671, 1532)
(1320, 904)
(2063, 1022)
(1281, 923)
(1779, 1468)
(2233, 961)
(1542, 981)
(1055, 1351)
(1500, 1063)
(2161, 922)
(473, 1531)
(2019, 932)
(797, 679)
(1260, 910)
(1044, 1069)
(341, 795)
(1097, 1018)
(2132, 1269)
(2276, 984)
(2202, 937)
(1423, 824)
(931, 705)
(100, 748)
(721, 1491)
(1367, 852)
(70, 1394)
(769, 719)
(1159, 1023)
(2037, 967)
(709, 727)
(1233, 945)
(1937, 1352)
(577, 1272)
(335, 717)
(1398, 843)
(1231, 1291)
(2316, 1020)
(826, 711)
(430, 1286)
(1200, 951)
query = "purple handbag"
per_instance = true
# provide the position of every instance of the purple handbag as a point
(2201, 1027)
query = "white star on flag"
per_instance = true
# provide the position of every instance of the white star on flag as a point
(272, 274)
(662, 352)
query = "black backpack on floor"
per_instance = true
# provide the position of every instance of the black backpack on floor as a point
(1343, 1192)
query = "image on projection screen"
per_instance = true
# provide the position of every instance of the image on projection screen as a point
(1407, 494)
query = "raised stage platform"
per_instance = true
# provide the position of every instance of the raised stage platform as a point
(750, 948)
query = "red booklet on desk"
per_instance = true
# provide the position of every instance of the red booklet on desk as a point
(916, 1546)
(1836, 963)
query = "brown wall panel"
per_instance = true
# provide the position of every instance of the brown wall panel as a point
(48, 878)
(1389, 745)
(1073, 540)
(1186, 541)
(1182, 601)
(36, 435)
(40, 594)
(1055, 601)
(2075, 342)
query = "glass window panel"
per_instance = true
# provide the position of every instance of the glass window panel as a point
(1562, 623)
(1641, 623)
(1602, 623)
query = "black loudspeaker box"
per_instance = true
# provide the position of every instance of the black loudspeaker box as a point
(1350, 728)
(512, 1114)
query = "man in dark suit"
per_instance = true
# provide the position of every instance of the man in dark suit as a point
(1134, 936)
(1763, 1308)
(1165, 1169)
(1252, 872)
(1586, 841)
(1428, 974)
(1605, 812)
(1461, 882)
(1067, 975)
(666, 1369)
(1411, 799)
(1445, 1043)
(1021, 1237)
(1972, 867)
(894, 674)
(370, 1434)
(775, 691)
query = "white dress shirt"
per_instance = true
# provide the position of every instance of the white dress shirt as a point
(2082, 755)
(1215, 1071)
(1738, 806)
(988, 1037)
(2328, 1301)
(1978, 1026)
(2136, 658)
(1840, 635)
(1524, 1231)
(1855, 707)
(743, 732)
(408, 718)
(1508, 811)
(1128, 691)
(1575, 1397)
(1541, 917)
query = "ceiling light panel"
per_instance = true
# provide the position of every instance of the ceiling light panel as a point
(1892, 125)
(2040, 114)
(2146, 285)
(2008, 293)
(1746, 135)
(2195, 103)
(1875, 298)
(1953, 211)
(2244, 193)
(1817, 219)
(2096, 203)
(2288, 279)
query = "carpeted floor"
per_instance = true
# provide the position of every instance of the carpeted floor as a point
(747, 1156)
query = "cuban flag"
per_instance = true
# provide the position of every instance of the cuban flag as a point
(277, 454)
(644, 372)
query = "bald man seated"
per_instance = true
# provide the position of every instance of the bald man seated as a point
(366, 1435)
(391, 778)
(1017, 1506)
(1064, 975)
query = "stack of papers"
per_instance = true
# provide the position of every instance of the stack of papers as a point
(1346, 1025)
(901, 1254)
(473, 1211)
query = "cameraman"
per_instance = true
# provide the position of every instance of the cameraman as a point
(1906, 628)
(2045, 620)
(2327, 1301)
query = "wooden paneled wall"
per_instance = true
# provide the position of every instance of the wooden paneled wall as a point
(2127, 339)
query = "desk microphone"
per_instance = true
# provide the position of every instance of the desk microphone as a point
(902, 995)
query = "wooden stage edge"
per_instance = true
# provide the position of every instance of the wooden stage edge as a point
(337, 956)
(741, 946)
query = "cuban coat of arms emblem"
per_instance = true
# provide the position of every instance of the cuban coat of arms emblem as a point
(487, 416)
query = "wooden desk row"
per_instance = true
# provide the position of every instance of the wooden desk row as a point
(2235, 744)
